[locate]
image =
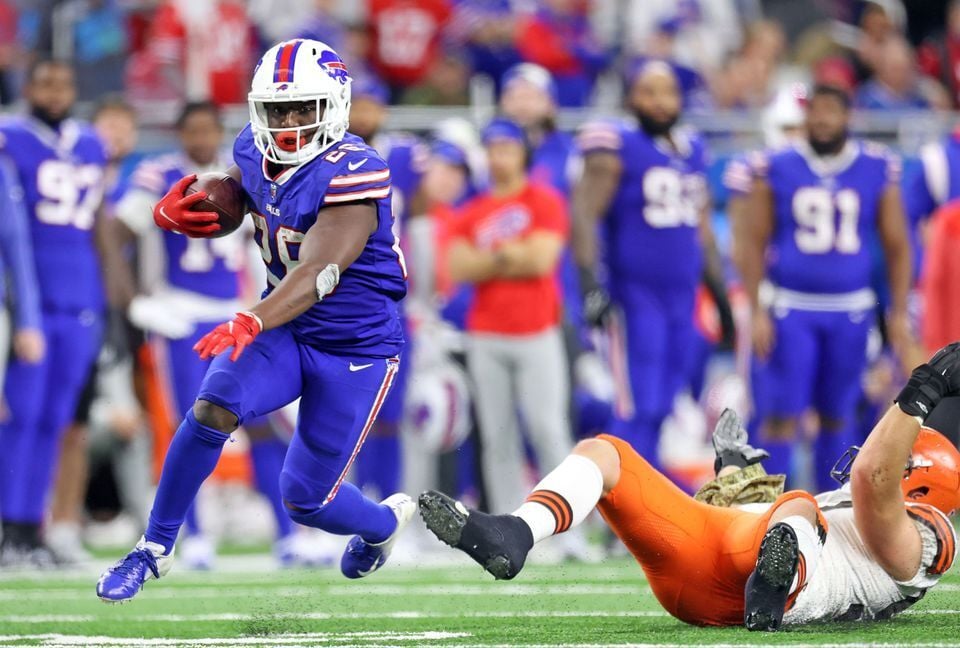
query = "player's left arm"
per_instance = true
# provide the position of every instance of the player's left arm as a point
(335, 241)
(878, 507)
(896, 246)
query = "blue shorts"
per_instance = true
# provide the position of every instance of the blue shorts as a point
(340, 399)
(818, 359)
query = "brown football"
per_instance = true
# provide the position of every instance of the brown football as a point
(225, 196)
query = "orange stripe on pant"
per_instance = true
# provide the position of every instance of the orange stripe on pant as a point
(697, 557)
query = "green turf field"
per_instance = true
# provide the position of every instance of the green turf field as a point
(606, 604)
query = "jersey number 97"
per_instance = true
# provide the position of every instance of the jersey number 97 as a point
(69, 194)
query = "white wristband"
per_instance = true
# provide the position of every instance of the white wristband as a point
(327, 280)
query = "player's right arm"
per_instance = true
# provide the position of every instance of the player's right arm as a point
(17, 251)
(881, 516)
(592, 196)
(752, 253)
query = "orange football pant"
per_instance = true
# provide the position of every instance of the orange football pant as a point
(697, 557)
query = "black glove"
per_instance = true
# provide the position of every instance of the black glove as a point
(930, 383)
(596, 302)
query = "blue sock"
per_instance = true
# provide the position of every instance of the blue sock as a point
(190, 522)
(828, 447)
(380, 464)
(267, 456)
(192, 456)
(350, 513)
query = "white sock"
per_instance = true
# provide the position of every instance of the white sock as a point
(563, 498)
(810, 546)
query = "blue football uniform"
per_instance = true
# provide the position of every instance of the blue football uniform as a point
(653, 257)
(340, 356)
(61, 173)
(196, 281)
(820, 262)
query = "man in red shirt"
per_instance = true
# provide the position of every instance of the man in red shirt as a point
(508, 242)
(940, 282)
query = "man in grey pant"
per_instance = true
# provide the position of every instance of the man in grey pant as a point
(507, 242)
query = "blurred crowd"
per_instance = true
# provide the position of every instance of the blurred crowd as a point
(466, 420)
(729, 54)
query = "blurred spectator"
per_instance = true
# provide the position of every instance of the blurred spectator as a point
(447, 83)
(324, 26)
(894, 86)
(746, 79)
(941, 279)
(836, 72)
(486, 29)
(9, 49)
(939, 55)
(93, 34)
(878, 23)
(697, 34)
(406, 39)
(559, 37)
(507, 242)
(197, 50)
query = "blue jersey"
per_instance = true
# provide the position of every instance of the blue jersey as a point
(208, 267)
(406, 158)
(361, 316)
(62, 175)
(549, 162)
(651, 228)
(825, 215)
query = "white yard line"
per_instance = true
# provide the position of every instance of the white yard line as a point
(347, 616)
(373, 589)
(384, 639)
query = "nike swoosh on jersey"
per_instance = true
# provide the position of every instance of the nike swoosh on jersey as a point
(353, 166)
(354, 367)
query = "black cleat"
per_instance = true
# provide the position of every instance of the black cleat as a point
(500, 543)
(768, 587)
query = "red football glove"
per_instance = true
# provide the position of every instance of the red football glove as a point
(173, 211)
(237, 333)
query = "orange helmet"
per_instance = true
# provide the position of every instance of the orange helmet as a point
(931, 476)
(933, 472)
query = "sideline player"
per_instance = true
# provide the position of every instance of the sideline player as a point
(60, 165)
(815, 207)
(326, 331)
(646, 187)
(866, 551)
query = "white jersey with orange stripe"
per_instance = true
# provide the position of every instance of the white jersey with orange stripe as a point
(849, 585)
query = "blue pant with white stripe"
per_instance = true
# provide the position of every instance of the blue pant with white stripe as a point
(340, 398)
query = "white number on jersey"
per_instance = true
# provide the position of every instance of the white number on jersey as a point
(817, 230)
(285, 237)
(672, 198)
(69, 194)
(201, 254)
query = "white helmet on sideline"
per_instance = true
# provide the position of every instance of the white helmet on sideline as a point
(300, 70)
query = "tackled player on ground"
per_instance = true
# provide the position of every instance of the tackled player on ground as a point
(866, 551)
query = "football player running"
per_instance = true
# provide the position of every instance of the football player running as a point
(866, 551)
(326, 330)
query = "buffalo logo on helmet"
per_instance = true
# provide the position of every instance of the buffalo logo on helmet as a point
(334, 66)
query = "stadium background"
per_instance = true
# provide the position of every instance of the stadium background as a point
(731, 55)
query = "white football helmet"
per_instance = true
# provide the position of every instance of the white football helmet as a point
(437, 407)
(300, 70)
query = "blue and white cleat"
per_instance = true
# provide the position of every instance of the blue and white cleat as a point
(362, 558)
(125, 579)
